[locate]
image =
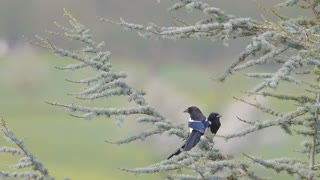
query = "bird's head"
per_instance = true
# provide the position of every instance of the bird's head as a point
(195, 113)
(192, 109)
(214, 115)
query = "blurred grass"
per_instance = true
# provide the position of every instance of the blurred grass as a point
(75, 148)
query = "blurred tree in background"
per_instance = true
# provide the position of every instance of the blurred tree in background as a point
(289, 43)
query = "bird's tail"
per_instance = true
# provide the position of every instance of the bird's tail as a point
(177, 152)
(191, 142)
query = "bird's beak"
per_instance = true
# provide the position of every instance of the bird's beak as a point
(219, 116)
(185, 111)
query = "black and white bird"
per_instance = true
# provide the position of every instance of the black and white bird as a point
(198, 123)
(214, 119)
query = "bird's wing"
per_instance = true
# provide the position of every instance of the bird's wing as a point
(192, 140)
(197, 125)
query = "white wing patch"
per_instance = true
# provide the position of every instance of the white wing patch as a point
(191, 120)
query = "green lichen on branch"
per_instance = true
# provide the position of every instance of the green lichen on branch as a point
(28, 166)
(204, 161)
(106, 83)
(291, 43)
(291, 166)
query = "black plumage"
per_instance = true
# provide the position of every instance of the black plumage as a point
(192, 140)
(215, 124)
(195, 113)
(196, 117)
(177, 152)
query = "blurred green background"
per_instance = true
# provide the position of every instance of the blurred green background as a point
(175, 75)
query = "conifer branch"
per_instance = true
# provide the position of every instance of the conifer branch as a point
(285, 164)
(39, 171)
(106, 83)
(203, 160)
(269, 39)
(299, 99)
(260, 107)
(314, 138)
(288, 118)
(291, 43)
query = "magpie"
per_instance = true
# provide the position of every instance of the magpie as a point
(214, 119)
(198, 123)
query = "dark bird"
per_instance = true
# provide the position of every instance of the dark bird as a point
(214, 119)
(198, 123)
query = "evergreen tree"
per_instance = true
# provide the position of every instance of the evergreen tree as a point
(291, 43)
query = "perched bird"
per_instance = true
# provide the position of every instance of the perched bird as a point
(214, 119)
(198, 123)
